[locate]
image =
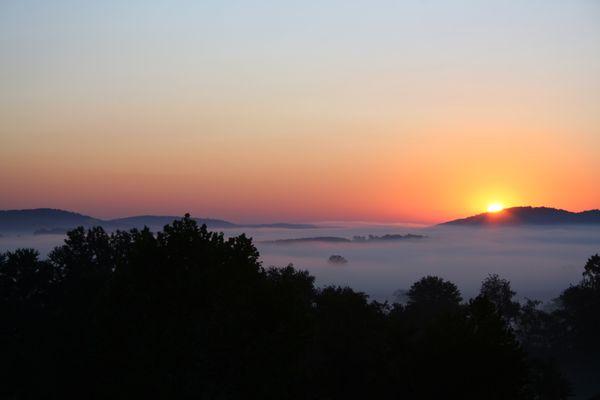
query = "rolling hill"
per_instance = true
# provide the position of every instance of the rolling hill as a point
(54, 221)
(515, 216)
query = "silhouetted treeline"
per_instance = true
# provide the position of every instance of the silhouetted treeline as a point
(188, 313)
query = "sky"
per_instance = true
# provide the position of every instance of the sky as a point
(389, 111)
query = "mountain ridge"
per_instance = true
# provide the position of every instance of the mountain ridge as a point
(47, 220)
(527, 215)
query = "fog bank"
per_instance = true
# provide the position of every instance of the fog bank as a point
(540, 262)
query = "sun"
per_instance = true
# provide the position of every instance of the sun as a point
(495, 207)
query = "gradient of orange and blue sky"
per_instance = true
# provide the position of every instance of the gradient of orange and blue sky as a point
(301, 111)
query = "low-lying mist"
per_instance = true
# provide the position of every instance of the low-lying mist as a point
(539, 262)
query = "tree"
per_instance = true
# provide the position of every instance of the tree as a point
(25, 298)
(579, 311)
(432, 294)
(186, 312)
(458, 351)
(591, 273)
(499, 293)
(349, 347)
(547, 382)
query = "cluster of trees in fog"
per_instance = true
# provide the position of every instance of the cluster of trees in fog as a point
(189, 313)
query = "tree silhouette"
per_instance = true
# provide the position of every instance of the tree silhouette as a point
(185, 312)
(580, 305)
(499, 293)
(431, 296)
(591, 273)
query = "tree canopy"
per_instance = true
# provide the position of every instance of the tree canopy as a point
(185, 312)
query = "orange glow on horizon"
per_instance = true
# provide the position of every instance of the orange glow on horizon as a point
(433, 177)
(495, 207)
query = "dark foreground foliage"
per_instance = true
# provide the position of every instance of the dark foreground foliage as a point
(188, 313)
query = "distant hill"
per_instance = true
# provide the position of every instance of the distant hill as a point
(321, 239)
(158, 221)
(43, 221)
(282, 225)
(530, 216)
(355, 239)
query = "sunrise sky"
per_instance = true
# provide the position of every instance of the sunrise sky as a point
(387, 111)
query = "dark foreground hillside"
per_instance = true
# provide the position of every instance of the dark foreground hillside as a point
(187, 313)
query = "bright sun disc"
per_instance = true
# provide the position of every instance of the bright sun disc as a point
(495, 207)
